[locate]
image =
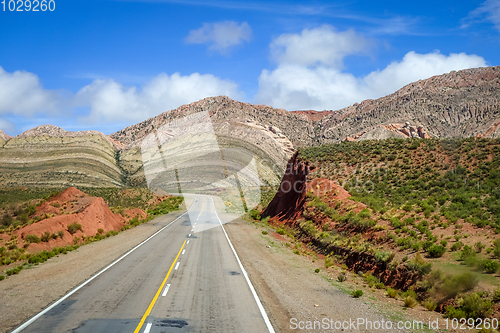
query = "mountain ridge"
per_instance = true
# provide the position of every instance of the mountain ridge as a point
(454, 105)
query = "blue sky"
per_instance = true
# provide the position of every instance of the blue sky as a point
(104, 65)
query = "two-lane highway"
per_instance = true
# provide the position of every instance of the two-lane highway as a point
(185, 278)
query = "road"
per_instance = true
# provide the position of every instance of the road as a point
(185, 278)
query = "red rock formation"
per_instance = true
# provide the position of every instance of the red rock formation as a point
(290, 198)
(71, 206)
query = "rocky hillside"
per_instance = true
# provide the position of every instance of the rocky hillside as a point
(458, 104)
(49, 156)
(399, 209)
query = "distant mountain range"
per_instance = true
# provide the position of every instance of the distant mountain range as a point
(458, 104)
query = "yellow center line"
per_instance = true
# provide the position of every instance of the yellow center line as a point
(203, 206)
(150, 308)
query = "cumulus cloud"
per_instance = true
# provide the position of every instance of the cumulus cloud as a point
(489, 10)
(21, 93)
(220, 36)
(111, 101)
(415, 66)
(317, 81)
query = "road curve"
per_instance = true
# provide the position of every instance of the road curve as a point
(186, 278)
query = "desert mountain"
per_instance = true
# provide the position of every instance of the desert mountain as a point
(50, 156)
(458, 104)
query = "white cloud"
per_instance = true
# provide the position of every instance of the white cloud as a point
(322, 45)
(489, 10)
(316, 81)
(21, 93)
(414, 67)
(221, 36)
(111, 101)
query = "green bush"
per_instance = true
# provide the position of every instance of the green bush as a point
(264, 232)
(457, 246)
(45, 237)
(14, 270)
(280, 231)
(436, 251)
(74, 227)
(365, 213)
(410, 302)
(385, 256)
(254, 214)
(496, 248)
(430, 304)
(488, 266)
(2, 277)
(393, 293)
(44, 255)
(479, 247)
(496, 295)
(32, 239)
(371, 280)
(467, 252)
(451, 286)
(328, 262)
(470, 306)
(357, 293)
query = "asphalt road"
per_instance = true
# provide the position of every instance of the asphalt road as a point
(186, 278)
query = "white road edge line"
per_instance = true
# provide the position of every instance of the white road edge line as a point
(189, 235)
(148, 327)
(177, 265)
(254, 293)
(187, 242)
(166, 290)
(183, 251)
(60, 300)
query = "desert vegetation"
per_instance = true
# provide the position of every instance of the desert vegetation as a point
(425, 209)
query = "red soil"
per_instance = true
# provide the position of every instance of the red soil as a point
(92, 213)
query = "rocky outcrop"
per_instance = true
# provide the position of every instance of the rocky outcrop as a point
(397, 131)
(4, 136)
(288, 202)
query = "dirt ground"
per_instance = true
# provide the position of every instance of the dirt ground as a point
(289, 287)
(286, 283)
